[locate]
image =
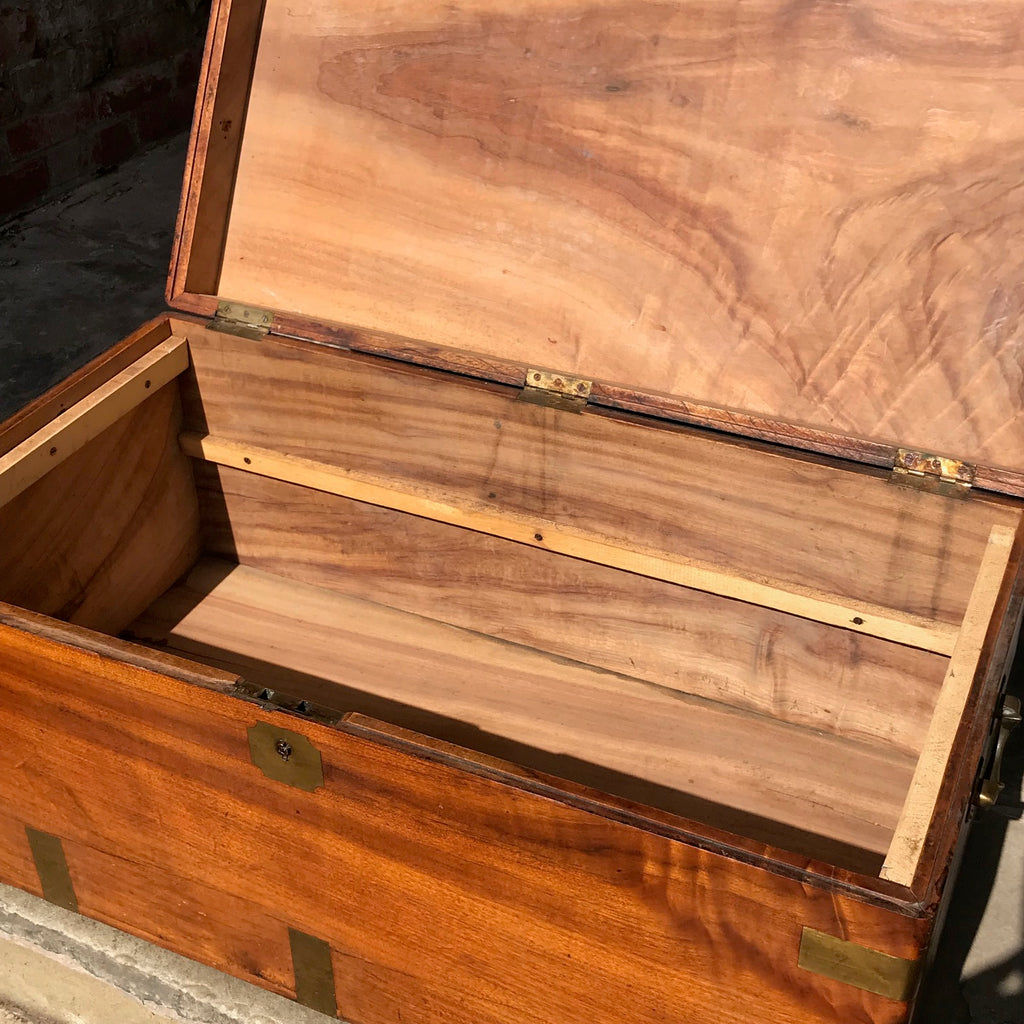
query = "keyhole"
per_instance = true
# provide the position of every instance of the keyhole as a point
(284, 750)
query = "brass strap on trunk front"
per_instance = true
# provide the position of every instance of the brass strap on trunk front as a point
(863, 968)
(314, 973)
(52, 868)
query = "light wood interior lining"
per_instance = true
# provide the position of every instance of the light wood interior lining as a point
(638, 486)
(108, 530)
(62, 437)
(647, 742)
(916, 817)
(749, 657)
(439, 505)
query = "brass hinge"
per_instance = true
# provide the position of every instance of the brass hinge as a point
(933, 473)
(275, 700)
(243, 321)
(556, 390)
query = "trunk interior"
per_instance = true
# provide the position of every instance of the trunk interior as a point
(764, 642)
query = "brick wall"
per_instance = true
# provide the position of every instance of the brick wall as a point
(86, 83)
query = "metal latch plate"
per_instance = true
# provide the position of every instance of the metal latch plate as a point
(286, 756)
(556, 390)
(242, 321)
(934, 473)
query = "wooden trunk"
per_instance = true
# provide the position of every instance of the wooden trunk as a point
(389, 629)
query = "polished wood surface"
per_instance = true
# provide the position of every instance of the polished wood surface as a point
(485, 885)
(724, 650)
(635, 484)
(213, 151)
(105, 532)
(618, 734)
(805, 214)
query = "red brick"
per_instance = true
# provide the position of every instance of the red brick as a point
(28, 137)
(83, 86)
(45, 130)
(144, 41)
(18, 36)
(164, 117)
(10, 107)
(71, 160)
(189, 65)
(113, 146)
(132, 90)
(22, 187)
(41, 82)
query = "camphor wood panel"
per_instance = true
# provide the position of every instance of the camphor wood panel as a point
(213, 150)
(618, 734)
(806, 213)
(149, 783)
(78, 423)
(568, 539)
(936, 752)
(109, 529)
(58, 440)
(749, 657)
(80, 385)
(840, 533)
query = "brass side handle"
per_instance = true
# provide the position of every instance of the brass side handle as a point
(1009, 719)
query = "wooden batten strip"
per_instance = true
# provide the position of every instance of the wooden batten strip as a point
(873, 620)
(62, 437)
(923, 795)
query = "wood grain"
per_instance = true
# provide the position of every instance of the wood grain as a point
(87, 640)
(722, 650)
(919, 810)
(214, 146)
(634, 482)
(438, 505)
(63, 436)
(69, 392)
(808, 214)
(17, 867)
(158, 904)
(625, 736)
(109, 529)
(445, 890)
(972, 743)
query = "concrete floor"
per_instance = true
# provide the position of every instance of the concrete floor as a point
(77, 275)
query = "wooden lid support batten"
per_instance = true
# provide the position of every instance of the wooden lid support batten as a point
(912, 830)
(805, 602)
(88, 418)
